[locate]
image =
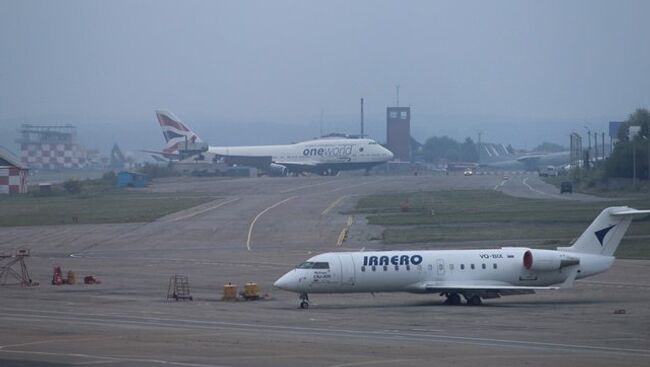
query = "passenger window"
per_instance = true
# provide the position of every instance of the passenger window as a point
(451, 266)
(374, 268)
(408, 267)
(462, 266)
(430, 267)
(483, 266)
(396, 267)
(494, 265)
(472, 266)
(363, 268)
(385, 267)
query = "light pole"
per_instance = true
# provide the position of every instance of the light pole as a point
(647, 139)
(588, 161)
(633, 165)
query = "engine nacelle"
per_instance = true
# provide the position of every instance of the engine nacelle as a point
(545, 260)
(278, 170)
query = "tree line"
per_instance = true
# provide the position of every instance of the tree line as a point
(620, 163)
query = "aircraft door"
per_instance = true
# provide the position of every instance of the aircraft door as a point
(440, 266)
(348, 276)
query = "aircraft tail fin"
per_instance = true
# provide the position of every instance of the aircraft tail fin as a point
(175, 132)
(604, 234)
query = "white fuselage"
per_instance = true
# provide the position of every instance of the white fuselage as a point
(335, 153)
(439, 271)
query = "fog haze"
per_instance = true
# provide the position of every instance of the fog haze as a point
(249, 72)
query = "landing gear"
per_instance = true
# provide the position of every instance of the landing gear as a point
(304, 301)
(452, 299)
(474, 300)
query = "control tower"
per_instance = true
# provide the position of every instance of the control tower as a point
(51, 147)
(398, 132)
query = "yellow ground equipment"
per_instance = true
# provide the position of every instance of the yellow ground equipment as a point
(251, 291)
(229, 292)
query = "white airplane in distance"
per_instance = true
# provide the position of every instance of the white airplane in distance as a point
(325, 156)
(474, 274)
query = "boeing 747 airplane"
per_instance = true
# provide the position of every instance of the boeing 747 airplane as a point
(325, 156)
(472, 274)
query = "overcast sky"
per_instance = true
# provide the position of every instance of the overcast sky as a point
(482, 63)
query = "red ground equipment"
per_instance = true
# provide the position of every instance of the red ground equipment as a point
(57, 276)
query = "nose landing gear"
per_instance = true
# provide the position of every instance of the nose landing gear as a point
(304, 300)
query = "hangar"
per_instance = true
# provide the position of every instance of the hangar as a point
(13, 174)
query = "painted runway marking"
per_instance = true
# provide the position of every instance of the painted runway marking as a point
(250, 229)
(535, 190)
(21, 315)
(342, 236)
(204, 210)
(503, 182)
(345, 231)
(335, 203)
(378, 361)
(613, 284)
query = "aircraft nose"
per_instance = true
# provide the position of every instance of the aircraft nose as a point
(286, 282)
(389, 154)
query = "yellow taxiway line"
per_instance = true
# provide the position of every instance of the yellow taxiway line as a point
(335, 203)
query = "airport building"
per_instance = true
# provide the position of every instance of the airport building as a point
(51, 147)
(13, 174)
(398, 132)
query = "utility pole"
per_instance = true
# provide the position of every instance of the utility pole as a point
(587, 163)
(647, 139)
(595, 146)
(321, 121)
(362, 117)
(633, 165)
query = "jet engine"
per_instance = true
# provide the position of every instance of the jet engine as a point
(545, 260)
(278, 170)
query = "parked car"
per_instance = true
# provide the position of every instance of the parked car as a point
(566, 186)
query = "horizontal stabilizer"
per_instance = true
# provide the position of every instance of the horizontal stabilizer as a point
(630, 211)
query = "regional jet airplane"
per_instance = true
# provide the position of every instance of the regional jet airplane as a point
(325, 156)
(473, 274)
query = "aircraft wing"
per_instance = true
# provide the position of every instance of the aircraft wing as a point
(503, 289)
(298, 166)
(162, 154)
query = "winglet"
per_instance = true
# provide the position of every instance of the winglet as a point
(570, 281)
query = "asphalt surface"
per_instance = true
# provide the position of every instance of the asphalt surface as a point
(258, 229)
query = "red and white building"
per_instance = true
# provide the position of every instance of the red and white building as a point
(51, 147)
(13, 174)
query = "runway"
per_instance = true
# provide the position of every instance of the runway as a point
(257, 229)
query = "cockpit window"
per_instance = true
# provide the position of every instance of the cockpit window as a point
(314, 265)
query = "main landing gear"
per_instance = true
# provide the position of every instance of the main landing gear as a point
(454, 299)
(304, 300)
(474, 300)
